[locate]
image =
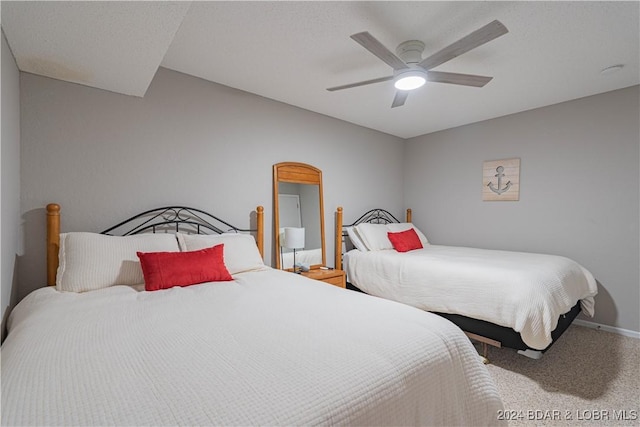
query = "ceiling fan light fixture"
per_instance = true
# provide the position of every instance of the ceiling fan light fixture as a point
(410, 80)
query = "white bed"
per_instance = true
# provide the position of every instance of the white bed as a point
(267, 348)
(505, 291)
(308, 257)
(523, 291)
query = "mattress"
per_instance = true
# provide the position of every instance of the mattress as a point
(269, 348)
(524, 291)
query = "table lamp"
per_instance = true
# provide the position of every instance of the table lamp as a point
(294, 239)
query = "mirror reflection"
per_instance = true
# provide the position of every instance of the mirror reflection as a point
(298, 216)
(299, 206)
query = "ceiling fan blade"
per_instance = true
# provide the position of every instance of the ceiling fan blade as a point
(366, 82)
(400, 98)
(477, 38)
(458, 79)
(372, 44)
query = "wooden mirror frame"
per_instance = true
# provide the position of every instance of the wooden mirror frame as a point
(296, 173)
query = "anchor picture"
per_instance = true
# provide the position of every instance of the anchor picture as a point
(501, 180)
(499, 175)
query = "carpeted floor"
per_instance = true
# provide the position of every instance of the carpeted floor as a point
(588, 378)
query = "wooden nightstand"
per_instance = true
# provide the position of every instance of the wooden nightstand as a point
(332, 277)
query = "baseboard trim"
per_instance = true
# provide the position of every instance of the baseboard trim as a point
(607, 328)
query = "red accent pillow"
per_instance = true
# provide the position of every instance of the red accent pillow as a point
(163, 270)
(405, 241)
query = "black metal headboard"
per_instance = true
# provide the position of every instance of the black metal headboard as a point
(174, 219)
(374, 216)
(169, 219)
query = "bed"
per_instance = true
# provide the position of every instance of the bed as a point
(261, 347)
(303, 257)
(501, 298)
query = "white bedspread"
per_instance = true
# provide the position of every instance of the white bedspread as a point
(270, 348)
(523, 291)
(309, 257)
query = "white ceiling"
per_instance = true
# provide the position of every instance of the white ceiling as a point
(292, 51)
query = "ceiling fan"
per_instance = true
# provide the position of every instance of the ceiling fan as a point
(410, 71)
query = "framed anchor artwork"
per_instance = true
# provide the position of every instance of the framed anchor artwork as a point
(501, 180)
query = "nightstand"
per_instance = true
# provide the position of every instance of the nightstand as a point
(332, 277)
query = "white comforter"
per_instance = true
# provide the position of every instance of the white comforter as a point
(309, 257)
(523, 291)
(270, 348)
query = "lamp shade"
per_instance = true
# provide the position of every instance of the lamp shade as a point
(293, 238)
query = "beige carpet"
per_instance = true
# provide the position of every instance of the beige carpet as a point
(588, 378)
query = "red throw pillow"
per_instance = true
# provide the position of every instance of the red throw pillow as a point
(405, 241)
(163, 270)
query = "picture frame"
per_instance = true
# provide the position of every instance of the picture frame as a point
(501, 180)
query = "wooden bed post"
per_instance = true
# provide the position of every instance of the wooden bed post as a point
(53, 242)
(338, 249)
(408, 215)
(260, 226)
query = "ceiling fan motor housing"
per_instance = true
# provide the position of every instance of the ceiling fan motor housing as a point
(410, 51)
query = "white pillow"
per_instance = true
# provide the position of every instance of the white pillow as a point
(356, 240)
(240, 250)
(374, 236)
(90, 261)
(403, 226)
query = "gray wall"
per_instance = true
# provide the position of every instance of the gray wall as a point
(10, 228)
(579, 190)
(104, 157)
